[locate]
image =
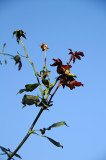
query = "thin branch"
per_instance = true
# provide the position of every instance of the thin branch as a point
(7, 54)
(32, 67)
(21, 55)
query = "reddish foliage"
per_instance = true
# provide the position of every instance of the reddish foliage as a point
(74, 83)
(20, 65)
(66, 78)
(76, 55)
(60, 67)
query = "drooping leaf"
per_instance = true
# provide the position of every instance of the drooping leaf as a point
(17, 155)
(5, 61)
(4, 54)
(50, 139)
(30, 100)
(19, 33)
(17, 59)
(4, 46)
(57, 125)
(3, 149)
(21, 91)
(28, 88)
(54, 142)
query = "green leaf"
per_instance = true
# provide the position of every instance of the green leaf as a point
(5, 61)
(30, 100)
(54, 142)
(19, 33)
(29, 88)
(3, 149)
(3, 47)
(57, 125)
(21, 91)
(17, 155)
(4, 54)
(46, 82)
(71, 74)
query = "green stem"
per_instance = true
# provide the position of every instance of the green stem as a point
(27, 135)
(32, 67)
(7, 54)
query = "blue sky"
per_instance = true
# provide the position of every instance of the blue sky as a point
(81, 26)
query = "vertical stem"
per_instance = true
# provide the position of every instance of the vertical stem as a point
(45, 58)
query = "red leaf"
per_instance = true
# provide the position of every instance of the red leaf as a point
(74, 83)
(81, 54)
(20, 65)
(57, 62)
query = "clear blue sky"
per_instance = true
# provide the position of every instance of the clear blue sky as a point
(61, 24)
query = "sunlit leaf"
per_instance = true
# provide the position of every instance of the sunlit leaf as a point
(57, 125)
(54, 142)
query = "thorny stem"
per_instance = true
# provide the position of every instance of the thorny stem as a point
(32, 67)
